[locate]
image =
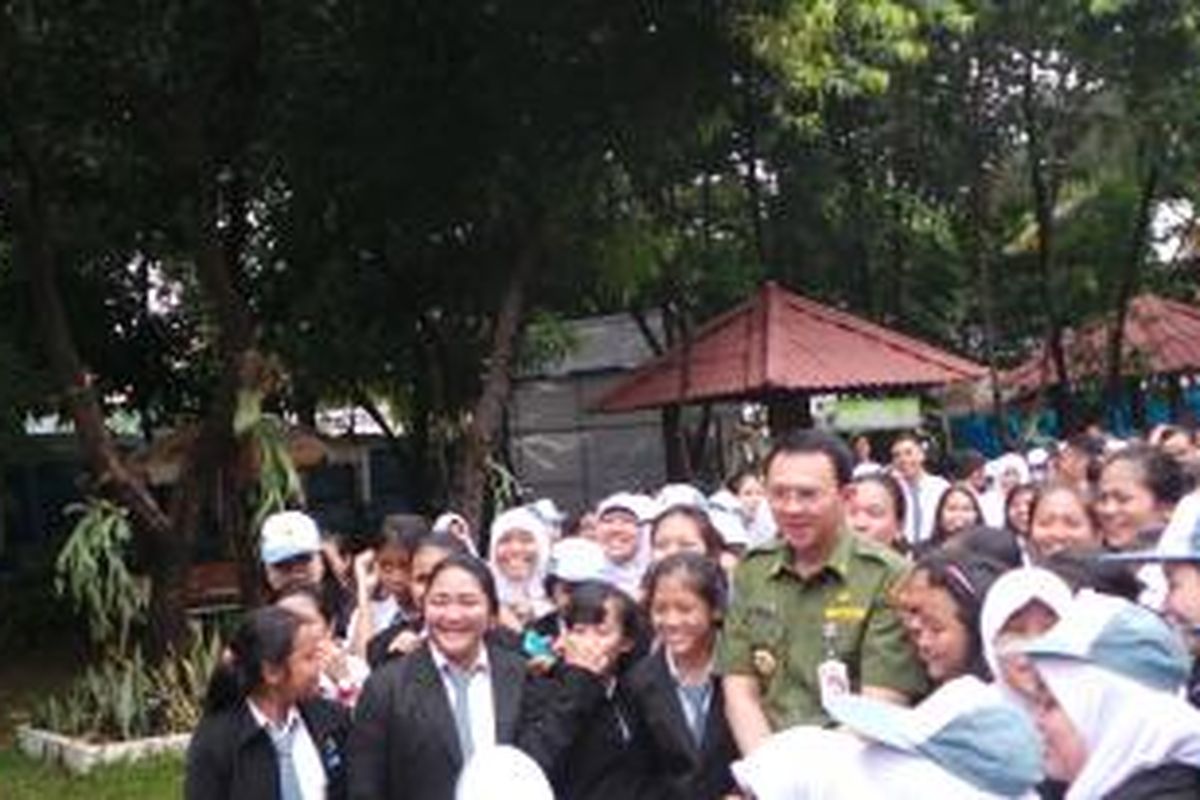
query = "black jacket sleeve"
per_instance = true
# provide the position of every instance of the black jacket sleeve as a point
(553, 711)
(209, 762)
(367, 747)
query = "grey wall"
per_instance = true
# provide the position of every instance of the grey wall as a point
(562, 451)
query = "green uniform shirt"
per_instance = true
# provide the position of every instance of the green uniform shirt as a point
(775, 624)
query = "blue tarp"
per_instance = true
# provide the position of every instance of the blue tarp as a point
(981, 431)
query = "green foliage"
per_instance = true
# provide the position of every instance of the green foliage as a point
(279, 483)
(847, 49)
(124, 697)
(504, 489)
(546, 340)
(91, 570)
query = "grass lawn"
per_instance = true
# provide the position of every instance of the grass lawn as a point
(26, 676)
(24, 779)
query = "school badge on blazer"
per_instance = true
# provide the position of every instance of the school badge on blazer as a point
(331, 756)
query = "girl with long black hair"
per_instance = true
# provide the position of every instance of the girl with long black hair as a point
(265, 732)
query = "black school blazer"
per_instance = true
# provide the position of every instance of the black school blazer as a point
(588, 740)
(231, 756)
(685, 770)
(404, 745)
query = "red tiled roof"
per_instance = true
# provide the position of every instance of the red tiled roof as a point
(1161, 336)
(780, 341)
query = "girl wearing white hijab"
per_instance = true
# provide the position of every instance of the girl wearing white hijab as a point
(623, 530)
(1021, 604)
(1108, 707)
(518, 552)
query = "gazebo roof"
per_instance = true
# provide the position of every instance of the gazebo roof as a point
(1162, 336)
(780, 341)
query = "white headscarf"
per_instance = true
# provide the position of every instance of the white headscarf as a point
(1010, 461)
(628, 576)
(502, 771)
(531, 590)
(1127, 726)
(851, 769)
(1011, 592)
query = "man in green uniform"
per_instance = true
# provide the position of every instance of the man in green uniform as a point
(818, 594)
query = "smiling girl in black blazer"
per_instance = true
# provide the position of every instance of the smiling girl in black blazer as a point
(265, 733)
(674, 689)
(421, 716)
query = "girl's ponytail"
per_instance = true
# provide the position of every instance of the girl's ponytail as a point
(266, 636)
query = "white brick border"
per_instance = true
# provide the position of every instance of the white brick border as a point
(80, 756)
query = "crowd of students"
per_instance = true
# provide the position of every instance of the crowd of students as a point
(828, 627)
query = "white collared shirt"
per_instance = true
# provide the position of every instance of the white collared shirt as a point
(928, 492)
(304, 750)
(479, 695)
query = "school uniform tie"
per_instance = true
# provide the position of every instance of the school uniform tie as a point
(460, 681)
(696, 698)
(289, 776)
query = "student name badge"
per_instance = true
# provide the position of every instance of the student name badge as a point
(834, 679)
(833, 676)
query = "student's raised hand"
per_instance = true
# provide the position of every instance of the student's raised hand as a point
(365, 576)
(333, 660)
(404, 642)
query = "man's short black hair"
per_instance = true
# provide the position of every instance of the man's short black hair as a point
(807, 442)
(967, 462)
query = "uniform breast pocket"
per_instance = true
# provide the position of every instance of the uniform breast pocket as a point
(766, 628)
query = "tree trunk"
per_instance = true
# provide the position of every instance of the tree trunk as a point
(1045, 195)
(980, 220)
(674, 443)
(750, 149)
(480, 436)
(1126, 286)
(36, 252)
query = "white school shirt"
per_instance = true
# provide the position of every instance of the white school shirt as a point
(479, 695)
(304, 750)
(928, 491)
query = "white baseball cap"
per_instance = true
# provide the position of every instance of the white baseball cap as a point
(287, 535)
(577, 559)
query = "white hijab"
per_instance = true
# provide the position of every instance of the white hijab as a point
(1127, 726)
(851, 769)
(531, 590)
(627, 576)
(1011, 592)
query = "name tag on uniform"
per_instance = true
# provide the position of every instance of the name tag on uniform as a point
(844, 609)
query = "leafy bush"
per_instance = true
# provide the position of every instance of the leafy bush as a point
(92, 571)
(124, 697)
